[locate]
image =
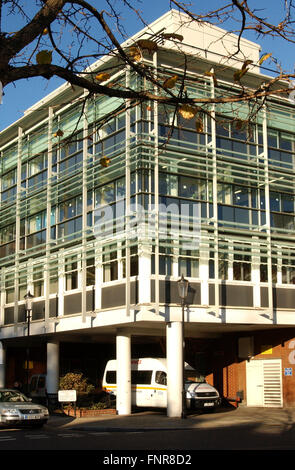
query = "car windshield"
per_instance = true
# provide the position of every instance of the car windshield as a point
(12, 396)
(193, 376)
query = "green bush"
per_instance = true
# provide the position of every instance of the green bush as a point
(75, 381)
(98, 406)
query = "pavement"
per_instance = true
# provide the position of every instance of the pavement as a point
(148, 420)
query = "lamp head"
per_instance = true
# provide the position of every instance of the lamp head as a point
(182, 287)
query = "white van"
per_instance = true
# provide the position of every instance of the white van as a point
(149, 384)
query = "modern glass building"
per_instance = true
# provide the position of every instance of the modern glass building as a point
(105, 203)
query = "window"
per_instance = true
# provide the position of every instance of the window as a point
(22, 286)
(37, 164)
(37, 182)
(9, 288)
(280, 148)
(8, 180)
(70, 208)
(110, 263)
(38, 280)
(141, 377)
(53, 280)
(105, 195)
(71, 272)
(37, 222)
(111, 377)
(242, 263)
(69, 148)
(7, 234)
(188, 187)
(241, 196)
(161, 377)
(223, 261)
(90, 272)
(288, 268)
(133, 261)
(188, 262)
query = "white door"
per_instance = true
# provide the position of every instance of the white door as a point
(264, 383)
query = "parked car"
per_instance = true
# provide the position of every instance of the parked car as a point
(17, 409)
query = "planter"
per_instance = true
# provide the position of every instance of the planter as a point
(84, 413)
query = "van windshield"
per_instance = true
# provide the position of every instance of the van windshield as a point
(193, 376)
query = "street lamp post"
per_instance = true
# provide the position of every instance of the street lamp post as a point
(183, 285)
(28, 307)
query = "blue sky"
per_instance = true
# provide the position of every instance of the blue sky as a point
(23, 94)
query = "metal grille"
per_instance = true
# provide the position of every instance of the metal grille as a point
(206, 394)
(26, 411)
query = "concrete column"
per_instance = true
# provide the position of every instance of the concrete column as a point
(52, 367)
(2, 365)
(123, 344)
(144, 274)
(174, 343)
(204, 268)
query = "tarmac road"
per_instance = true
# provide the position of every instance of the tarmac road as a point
(145, 433)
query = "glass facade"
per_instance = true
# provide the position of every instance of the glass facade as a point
(215, 203)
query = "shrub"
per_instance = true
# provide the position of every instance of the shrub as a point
(75, 381)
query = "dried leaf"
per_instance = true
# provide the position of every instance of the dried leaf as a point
(176, 36)
(105, 161)
(147, 44)
(239, 124)
(170, 82)
(44, 57)
(199, 125)
(58, 133)
(264, 58)
(101, 77)
(134, 53)
(187, 111)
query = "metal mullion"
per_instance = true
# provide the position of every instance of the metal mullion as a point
(17, 224)
(128, 195)
(267, 213)
(215, 195)
(84, 208)
(48, 219)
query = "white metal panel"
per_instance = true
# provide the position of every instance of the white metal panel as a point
(264, 383)
(272, 383)
(254, 383)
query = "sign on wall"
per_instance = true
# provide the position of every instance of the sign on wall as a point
(288, 371)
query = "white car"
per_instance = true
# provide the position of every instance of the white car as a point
(17, 409)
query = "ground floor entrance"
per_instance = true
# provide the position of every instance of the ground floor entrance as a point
(254, 366)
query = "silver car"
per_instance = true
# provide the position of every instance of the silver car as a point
(16, 408)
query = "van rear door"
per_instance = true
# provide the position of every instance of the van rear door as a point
(159, 395)
(141, 383)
